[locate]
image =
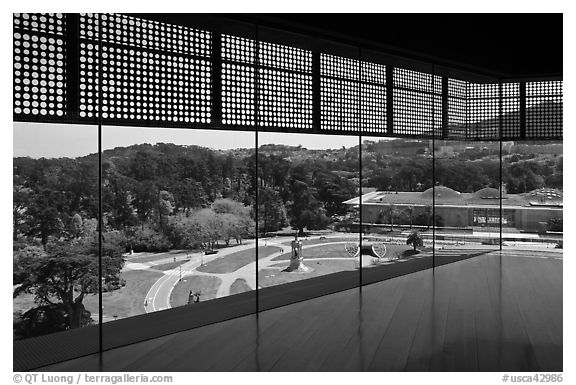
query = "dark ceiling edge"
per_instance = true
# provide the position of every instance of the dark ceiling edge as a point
(268, 21)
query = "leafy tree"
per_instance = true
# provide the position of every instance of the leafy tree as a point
(62, 277)
(415, 239)
(271, 210)
(304, 209)
(43, 218)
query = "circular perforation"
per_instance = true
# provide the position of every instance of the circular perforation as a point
(483, 118)
(544, 88)
(457, 115)
(373, 73)
(39, 74)
(413, 80)
(339, 67)
(511, 117)
(413, 112)
(285, 99)
(285, 57)
(130, 31)
(237, 94)
(238, 49)
(457, 88)
(544, 116)
(88, 80)
(50, 23)
(483, 90)
(373, 108)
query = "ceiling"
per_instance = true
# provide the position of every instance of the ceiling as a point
(503, 45)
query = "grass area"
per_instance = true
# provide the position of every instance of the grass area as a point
(127, 301)
(272, 277)
(150, 257)
(169, 265)
(327, 251)
(316, 241)
(207, 286)
(239, 286)
(235, 261)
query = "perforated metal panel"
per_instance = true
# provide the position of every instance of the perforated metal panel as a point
(544, 109)
(238, 93)
(456, 109)
(39, 69)
(285, 87)
(156, 73)
(417, 103)
(373, 112)
(151, 72)
(483, 110)
(511, 110)
(340, 91)
(238, 49)
(286, 99)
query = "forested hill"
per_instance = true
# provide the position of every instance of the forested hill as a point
(147, 184)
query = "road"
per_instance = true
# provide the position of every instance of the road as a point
(158, 297)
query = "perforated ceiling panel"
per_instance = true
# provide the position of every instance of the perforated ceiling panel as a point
(159, 74)
(39, 65)
(511, 110)
(285, 87)
(456, 109)
(417, 103)
(353, 95)
(544, 109)
(340, 92)
(151, 71)
(483, 109)
(238, 81)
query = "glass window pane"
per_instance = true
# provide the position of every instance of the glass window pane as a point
(55, 243)
(308, 230)
(180, 205)
(396, 206)
(467, 199)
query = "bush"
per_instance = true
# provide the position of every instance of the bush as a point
(148, 240)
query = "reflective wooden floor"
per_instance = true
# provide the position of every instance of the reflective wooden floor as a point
(494, 312)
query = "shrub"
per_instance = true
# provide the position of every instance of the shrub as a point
(148, 240)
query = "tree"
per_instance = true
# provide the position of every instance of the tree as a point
(415, 239)
(271, 210)
(304, 209)
(68, 271)
(44, 220)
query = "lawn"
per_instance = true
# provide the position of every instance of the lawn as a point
(239, 286)
(235, 261)
(327, 251)
(271, 277)
(207, 286)
(127, 301)
(316, 241)
(150, 257)
(169, 265)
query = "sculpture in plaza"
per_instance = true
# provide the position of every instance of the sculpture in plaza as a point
(296, 258)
